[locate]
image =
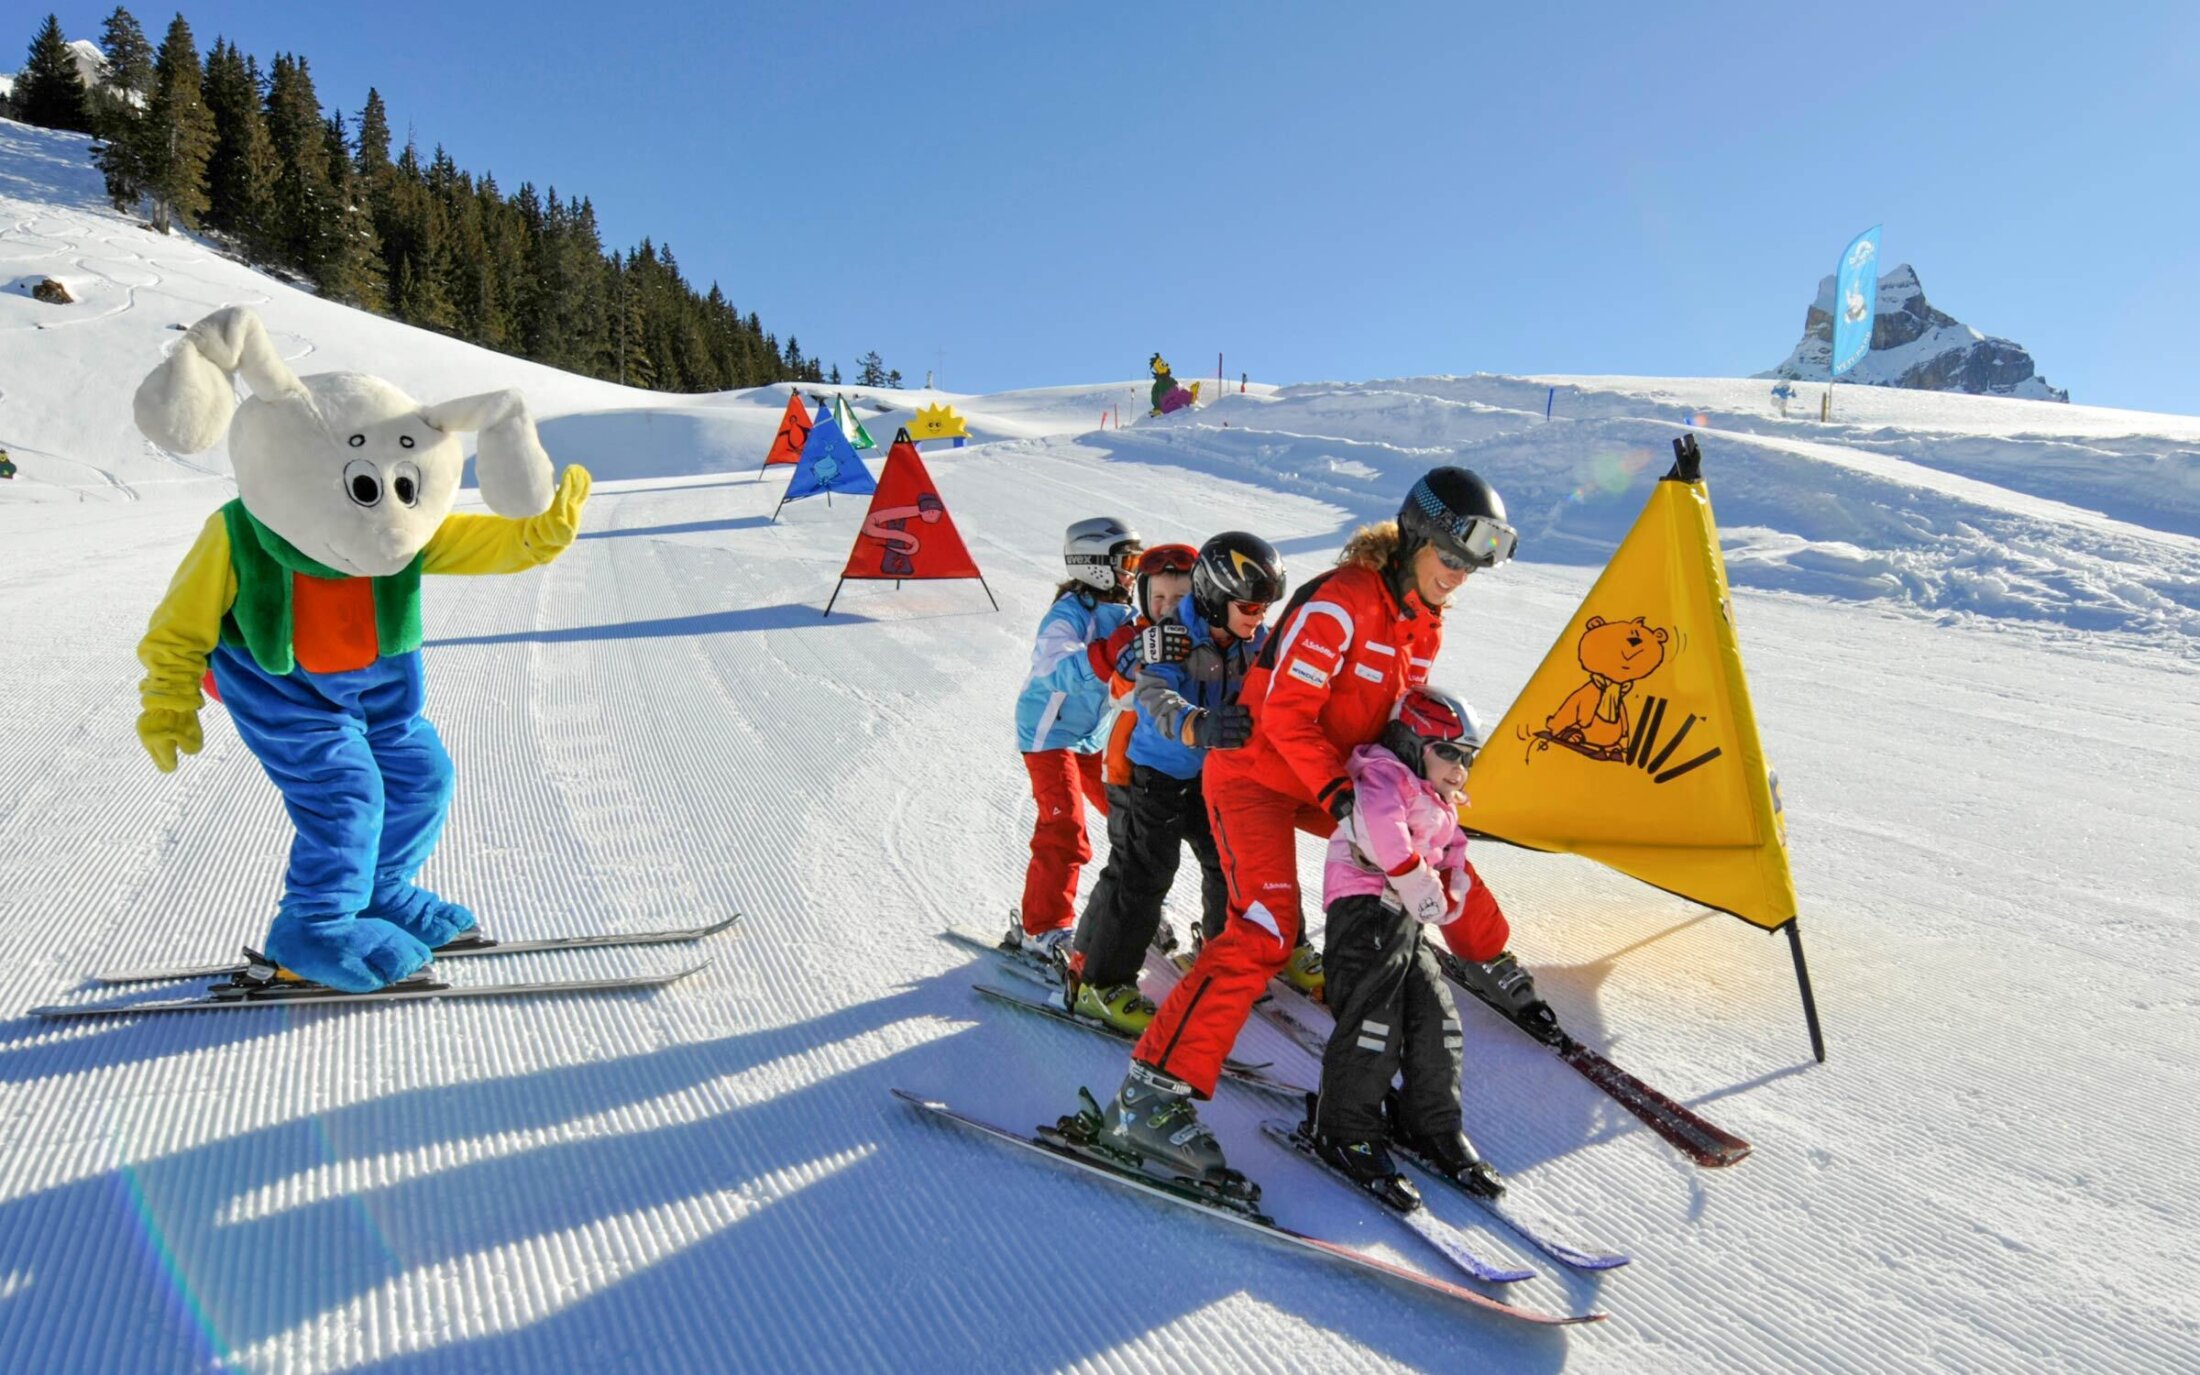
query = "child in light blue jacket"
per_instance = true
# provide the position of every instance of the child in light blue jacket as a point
(1062, 717)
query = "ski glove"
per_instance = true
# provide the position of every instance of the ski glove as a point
(1224, 728)
(1165, 642)
(1459, 884)
(1339, 805)
(1422, 894)
(164, 730)
(556, 527)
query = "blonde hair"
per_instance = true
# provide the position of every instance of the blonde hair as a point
(1371, 547)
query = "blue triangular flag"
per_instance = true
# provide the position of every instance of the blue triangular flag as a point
(828, 464)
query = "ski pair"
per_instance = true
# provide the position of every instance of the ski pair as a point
(1445, 1238)
(257, 982)
(1071, 1143)
(1708, 1145)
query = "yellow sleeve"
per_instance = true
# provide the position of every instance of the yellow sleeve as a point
(482, 544)
(188, 622)
(499, 544)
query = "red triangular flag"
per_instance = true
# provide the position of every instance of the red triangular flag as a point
(794, 432)
(907, 533)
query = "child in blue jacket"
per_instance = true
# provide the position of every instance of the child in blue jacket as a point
(1062, 716)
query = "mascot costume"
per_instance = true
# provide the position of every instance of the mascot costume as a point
(1168, 395)
(303, 595)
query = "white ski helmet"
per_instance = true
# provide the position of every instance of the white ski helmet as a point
(1102, 553)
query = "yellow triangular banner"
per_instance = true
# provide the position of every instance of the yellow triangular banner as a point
(1634, 744)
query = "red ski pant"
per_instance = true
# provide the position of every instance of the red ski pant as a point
(1256, 832)
(1061, 782)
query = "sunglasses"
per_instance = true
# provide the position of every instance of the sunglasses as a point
(1453, 751)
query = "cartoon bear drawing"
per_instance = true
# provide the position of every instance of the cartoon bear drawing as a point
(1594, 718)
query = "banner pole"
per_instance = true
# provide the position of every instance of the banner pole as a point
(782, 505)
(988, 592)
(836, 597)
(1802, 981)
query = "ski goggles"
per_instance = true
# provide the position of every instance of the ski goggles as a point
(1480, 543)
(1452, 751)
(1256, 610)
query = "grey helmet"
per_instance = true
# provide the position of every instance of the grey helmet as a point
(1102, 553)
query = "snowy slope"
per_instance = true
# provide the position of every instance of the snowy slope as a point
(1971, 633)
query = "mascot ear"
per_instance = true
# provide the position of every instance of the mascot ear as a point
(185, 404)
(1594, 622)
(509, 462)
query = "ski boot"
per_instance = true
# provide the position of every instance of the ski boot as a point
(1452, 1155)
(348, 953)
(1121, 1006)
(1506, 986)
(1048, 951)
(1303, 971)
(1365, 1163)
(1164, 940)
(427, 918)
(1151, 1122)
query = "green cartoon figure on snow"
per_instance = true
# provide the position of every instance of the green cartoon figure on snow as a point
(1169, 394)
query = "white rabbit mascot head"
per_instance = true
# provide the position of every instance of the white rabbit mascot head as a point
(351, 471)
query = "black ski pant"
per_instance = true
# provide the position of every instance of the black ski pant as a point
(1124, 911)
(1393, 1013)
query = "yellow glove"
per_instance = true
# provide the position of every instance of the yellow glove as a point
(556, 527)
(166, 730)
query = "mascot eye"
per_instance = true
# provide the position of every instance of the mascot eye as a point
(405, 482)
(357, 440)
(362, 482)
(405, 440)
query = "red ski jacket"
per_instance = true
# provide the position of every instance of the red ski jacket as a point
(1343, 653)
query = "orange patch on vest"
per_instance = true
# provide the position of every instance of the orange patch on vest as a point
(332, 623)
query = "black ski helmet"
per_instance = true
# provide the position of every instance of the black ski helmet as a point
(1460, 514)
(1235, 567)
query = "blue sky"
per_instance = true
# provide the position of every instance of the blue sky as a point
(1032, 194)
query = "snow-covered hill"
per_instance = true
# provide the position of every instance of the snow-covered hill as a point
(1972, 627)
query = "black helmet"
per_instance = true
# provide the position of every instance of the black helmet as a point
(1460, 514)
(1235, 567)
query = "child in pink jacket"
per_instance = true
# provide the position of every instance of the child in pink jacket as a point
(1398, 863)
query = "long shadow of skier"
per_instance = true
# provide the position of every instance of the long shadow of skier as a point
(693, 527)
(784, 616)
(581, 1214)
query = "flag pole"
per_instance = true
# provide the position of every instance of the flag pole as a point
(1802, 981)
(836, 597)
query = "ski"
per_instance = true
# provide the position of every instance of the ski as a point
(1251, 1075)
(408, 990)
(1709, 1146)
(1059, 1147)
(470, 943)
(1572, 1257)
(1430, 1228)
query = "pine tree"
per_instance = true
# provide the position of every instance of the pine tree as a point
(241, 173)
(347, 257)
(119, 106)
(893, 379)
(835, 378)
(179, 131)
(48, 91)
(871, 370)
(304, 201)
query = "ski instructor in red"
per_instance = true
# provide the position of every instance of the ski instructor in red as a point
(1348, 646)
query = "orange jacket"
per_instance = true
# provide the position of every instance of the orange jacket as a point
(1342, 654)
(1119, 652)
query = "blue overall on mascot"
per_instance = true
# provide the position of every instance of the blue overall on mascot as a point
(303, 596)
